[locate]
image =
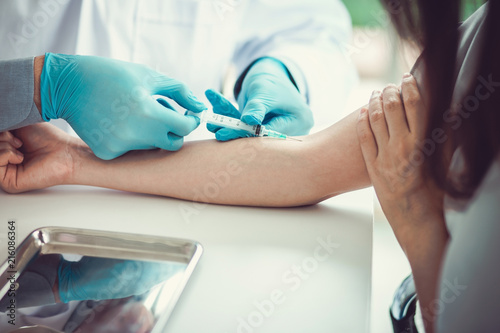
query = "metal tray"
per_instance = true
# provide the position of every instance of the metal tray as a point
(162, 265)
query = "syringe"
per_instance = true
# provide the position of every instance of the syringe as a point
(236, 124)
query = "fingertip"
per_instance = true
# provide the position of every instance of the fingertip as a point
(221, 105)
(197, 123)
(170, 142)
(210, 93)
(194, 98)
(197, 108)
(251, 119)
(216, 99)
(9, 155)
(19, 157)
(213, 128)
(105, 156)
(192, 122)
(366, 136)
(389, 86)
(225, 134)
(17, 143)
(198, 105)
(376, 94)
(175, 142)
(221, 136)
(254, 112)
(197, 120)
(185, 98)
(408, 79)
(363, 113)
(363, 117)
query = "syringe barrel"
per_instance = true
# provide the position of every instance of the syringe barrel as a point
(259, 130)
(226, 122)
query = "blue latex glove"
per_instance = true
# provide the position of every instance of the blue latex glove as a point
(268, 97)
(94, 278)
(109, 103)
(224, 107)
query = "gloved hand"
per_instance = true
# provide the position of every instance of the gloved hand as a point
(94, 278)
(109, 103)
(224, 107)
(269, 97)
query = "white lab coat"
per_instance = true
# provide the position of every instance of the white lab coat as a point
(195, 41)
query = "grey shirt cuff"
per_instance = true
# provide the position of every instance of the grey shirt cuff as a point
(35, 284)
(17, 108)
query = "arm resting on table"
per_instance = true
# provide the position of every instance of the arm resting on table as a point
(252, 171)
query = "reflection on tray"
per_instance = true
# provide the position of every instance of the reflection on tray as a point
(71, 292)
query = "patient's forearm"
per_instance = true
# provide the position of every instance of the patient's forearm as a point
(253, 171)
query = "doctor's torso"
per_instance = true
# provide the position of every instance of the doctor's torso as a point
(190, 40)
(203, 43)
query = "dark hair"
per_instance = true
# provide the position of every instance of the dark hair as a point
(433, 25)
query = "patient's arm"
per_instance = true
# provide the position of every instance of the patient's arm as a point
(253, 171)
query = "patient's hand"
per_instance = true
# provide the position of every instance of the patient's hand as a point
(42, 159)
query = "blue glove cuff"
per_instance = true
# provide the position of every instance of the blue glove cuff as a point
(54, 67)
(45, 90)
(239, 82)
(64, 285)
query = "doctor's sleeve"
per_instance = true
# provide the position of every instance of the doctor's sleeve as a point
(309, 38)
(34, 284)
(17, 108)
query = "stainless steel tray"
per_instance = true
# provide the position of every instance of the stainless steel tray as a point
(165, 265)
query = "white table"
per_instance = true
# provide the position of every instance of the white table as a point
(246, 281)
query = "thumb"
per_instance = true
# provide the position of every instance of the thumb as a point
(6, 158)
(280, 123)
(288, 125)
(11, 156)
(254, 112)
(226, 134)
